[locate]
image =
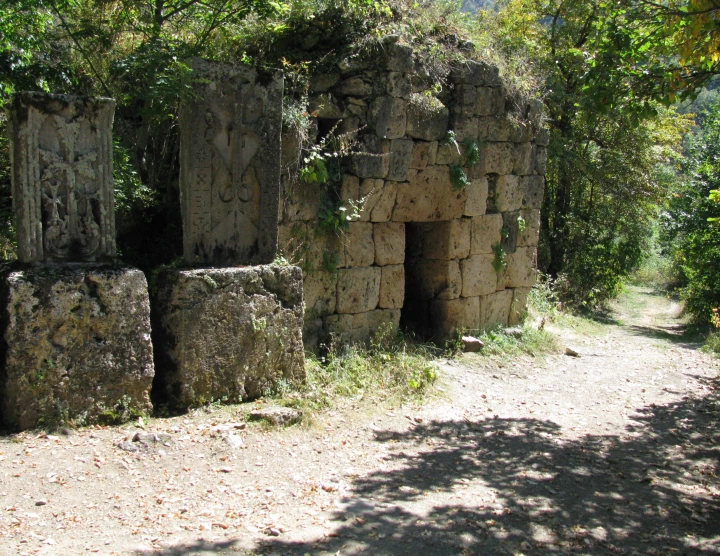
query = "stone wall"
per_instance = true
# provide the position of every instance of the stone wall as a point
(447, 232)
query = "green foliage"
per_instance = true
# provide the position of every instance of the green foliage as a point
(532, 341)
(335, 218)
(692, 241)
(314, 170)
(458, 179)
(712, 343)
(390, 366)
(521, 224)
(471, 152)
(330, 261)
(499, 261)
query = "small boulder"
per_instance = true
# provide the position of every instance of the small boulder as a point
(472, 344)
(571, 352)
(277, 415)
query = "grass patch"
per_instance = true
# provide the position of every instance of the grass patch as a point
(516, 341)
(392, 367)
(712, 343)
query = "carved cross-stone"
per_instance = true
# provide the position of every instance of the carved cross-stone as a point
(230, 165)
(62, 187)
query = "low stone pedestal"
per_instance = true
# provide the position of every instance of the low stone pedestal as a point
(75, 345)
(226, 334)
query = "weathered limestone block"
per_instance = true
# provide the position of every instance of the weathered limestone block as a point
(531, 234)
(358, 289)
(399, 56)
(398, 85)
(499, 158)
(421, 154)
(533, 188)
(495, 309)
(429, 197)
(501, 128)
(429, 278)
(392, 287)
(358, 244)
(359, 328)
(465, 100)
(373, 158)
(379, 198)
(322, 250)
(427, 118)
(320, 291)
(322, 82)
(62, 187)
(355, 87)
(76, 346)
(524, 159)
(465, 127)
(389, 239)
(230, 164)
(401, 152)
(227, 334)
(541, 157)
(478, 275)
(508, 193)
(542, 136)
(475, 73)
(448, 154)
(518, 309)
(449, 316)
(350, 189)
(486, 233)
(326, 106)
(510, 231)
(388, 117)
(301, 202)
(477, 195)
(489, 101)
(447, 240)
(521, 269)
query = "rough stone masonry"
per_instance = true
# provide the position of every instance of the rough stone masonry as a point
(234, 332)
(448, 187)
(75, 343)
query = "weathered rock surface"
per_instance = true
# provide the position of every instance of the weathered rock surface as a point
(277, 415)
(227, 334)
(75, 346)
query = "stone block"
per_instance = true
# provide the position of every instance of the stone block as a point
(510, 231)
(432, 155)
(508, 193)
(320, 293)
(373, 158)
(541, 158)
(499, 158)
(322, 250)
(530, 236)
(447, 154)
(429, 197)
(524, 160)
(392, 287)
(383, 209)
(378, 199)
(399, 58)
(400, 154)
(450, 316)
(360, 328)
(447, 240)
(368, 194)
(62, 186)
(478, 275)
(358, 289)
(489, 101)
(465, 128)
(398, 85)
(355, 87)
(519, 306)
(349, 189)
(495, 309)
(420, 155)
(486, 232)
(76, 346)
(321, 83)
(429, 279)
(521, 268)
(388, 117)
(533, 188)
(301, 202)
(293, 242)
(358, 244)
(475, 73)
(227, 334)
(427, 119)
(542, 136)
(477, 194)
(326, 106)
(503, 129)
(389, 239)
(230, 164)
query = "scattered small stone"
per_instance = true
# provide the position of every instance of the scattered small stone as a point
(277, 415)
(571, 352)
(41, 502)
(234, 440)
(273, 532)
(127, 446)
(472, 344)
(152, 438)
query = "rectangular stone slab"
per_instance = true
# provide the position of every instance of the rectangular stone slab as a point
(75, 346)
(226, 334)
(62, 186)
(230, 165)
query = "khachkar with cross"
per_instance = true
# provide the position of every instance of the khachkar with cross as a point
(62, 188)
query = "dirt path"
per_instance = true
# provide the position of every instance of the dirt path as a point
(612, 452)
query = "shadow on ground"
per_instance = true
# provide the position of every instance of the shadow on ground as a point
(642, 494)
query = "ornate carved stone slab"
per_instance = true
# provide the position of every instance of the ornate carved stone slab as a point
(230, 165)
(62, 187)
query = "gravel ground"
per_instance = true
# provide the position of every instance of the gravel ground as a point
(612, 452)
